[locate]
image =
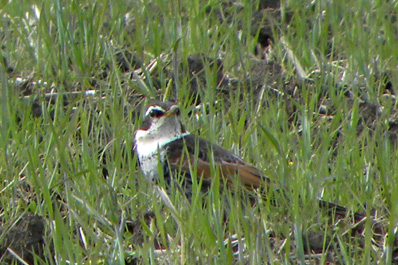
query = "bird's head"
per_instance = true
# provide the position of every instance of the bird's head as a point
(161, 121)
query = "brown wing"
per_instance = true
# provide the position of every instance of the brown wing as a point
(229, 165)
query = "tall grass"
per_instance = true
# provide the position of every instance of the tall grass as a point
(52, 165)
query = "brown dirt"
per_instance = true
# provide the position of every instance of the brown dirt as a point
(26, 236)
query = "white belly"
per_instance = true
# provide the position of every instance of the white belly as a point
(151, 153)
(151, 157)
(150, 166)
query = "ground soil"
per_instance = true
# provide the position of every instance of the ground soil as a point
(26, 235)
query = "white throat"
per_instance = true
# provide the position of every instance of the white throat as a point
(160, 133)
(148, 146)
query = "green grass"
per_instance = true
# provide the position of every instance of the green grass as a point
(59, 154)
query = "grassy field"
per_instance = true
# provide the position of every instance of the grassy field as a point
(315, 110)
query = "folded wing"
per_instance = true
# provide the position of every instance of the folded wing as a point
(185, 152)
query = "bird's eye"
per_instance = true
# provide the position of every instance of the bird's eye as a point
(155, 113)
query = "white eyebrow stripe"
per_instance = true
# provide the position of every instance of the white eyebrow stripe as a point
(152, 108)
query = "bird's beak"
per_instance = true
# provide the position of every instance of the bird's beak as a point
(174, 110)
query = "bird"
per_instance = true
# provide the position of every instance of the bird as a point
(166, 149)
(162, 139)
